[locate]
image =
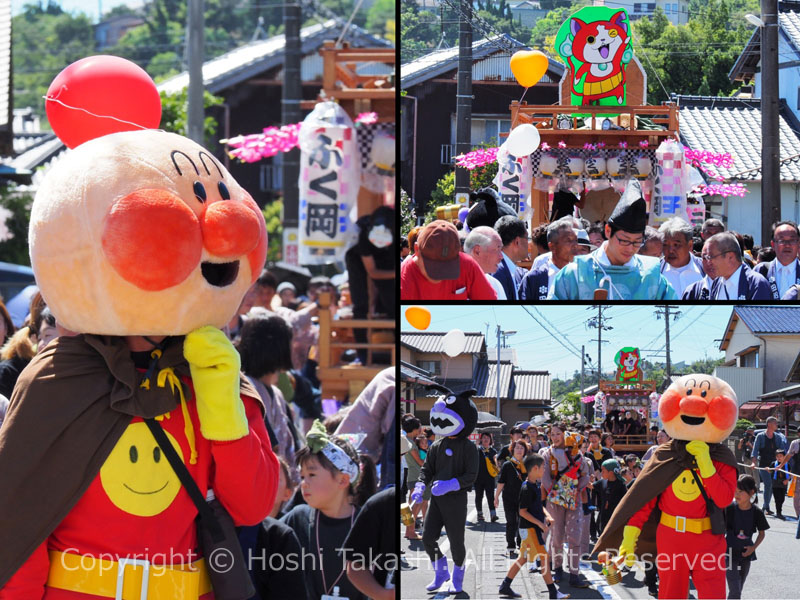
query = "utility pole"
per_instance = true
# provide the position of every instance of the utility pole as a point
(667, 314)
(291, 95)
(770, 140)
(195, 26)
(583, 359)
(599, 323)
(497, 373)
(464, 98)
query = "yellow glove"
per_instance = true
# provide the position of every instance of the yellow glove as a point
(700, 452)
(630, 536)
(214, 364)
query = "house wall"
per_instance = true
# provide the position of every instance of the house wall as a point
(778, 358)
(789, 78)
(747, 382)
(744, 213)
(742, 338)
(527, 16)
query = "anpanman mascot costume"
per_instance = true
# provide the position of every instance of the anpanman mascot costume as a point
(143, 245)
(665, 517)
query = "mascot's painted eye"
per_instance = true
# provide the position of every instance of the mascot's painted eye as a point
(613, 33)
(689, 392)
(590, 39)
(450, 399)
(223, 191)
(199, 191)
(703, 393)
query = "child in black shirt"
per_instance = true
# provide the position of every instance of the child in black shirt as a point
(743, 519)
(534, 523)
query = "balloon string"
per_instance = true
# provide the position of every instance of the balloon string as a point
(88, 112)
(513, 124)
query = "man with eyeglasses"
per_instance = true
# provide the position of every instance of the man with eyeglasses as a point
(614, 266)
(735, 280)
(783, 272)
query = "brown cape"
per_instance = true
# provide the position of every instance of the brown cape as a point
(69, 407)
(662, 468)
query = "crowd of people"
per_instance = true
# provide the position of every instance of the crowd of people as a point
(337, 475)
(553, 529)
(571, 258)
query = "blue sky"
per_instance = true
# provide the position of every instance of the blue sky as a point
(90, 7)
(693, 334)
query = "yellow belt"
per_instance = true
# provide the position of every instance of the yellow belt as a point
(593, 88)
(684, 524)
(124, 579)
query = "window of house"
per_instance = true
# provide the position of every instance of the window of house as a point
(750, 360)
(270, 175)
(432, 366)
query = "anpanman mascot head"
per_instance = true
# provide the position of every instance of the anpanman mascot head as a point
(144, 233)
(699, 407)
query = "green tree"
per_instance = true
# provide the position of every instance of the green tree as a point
(418, 31)
(45, 40)
(15, 248)
(173, 115)
(273, 215)
(379, 15)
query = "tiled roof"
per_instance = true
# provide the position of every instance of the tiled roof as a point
(441, 61)
(430, 341)
(770, 319)
(413, 374)
(256, 57)
(789, 22)
(531, 385)
(484, 379)
(734, 125)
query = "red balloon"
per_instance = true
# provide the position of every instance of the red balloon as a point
(119, 93)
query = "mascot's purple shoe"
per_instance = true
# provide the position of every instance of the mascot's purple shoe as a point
(457, 581)
(441, 574)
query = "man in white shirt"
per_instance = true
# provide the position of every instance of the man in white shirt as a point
(783, 272)
(679, 266)
(485, 246)
(735, 280)
(562, 239)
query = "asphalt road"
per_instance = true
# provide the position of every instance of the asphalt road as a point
(772, 576)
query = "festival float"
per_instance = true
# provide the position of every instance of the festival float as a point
(347, 171)
(600, 135)
(628, 392)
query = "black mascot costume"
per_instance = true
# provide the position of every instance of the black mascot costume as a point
(450, 468)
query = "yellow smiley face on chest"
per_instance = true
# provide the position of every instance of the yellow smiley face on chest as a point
(684, 487)
(137, 477)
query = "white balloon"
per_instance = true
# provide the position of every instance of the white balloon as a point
(523, 140)
(454, 342)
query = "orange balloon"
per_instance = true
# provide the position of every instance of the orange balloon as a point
(529, 66)
(418, 316)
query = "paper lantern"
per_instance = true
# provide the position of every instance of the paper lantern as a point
(575, 166)
(642, 167)
(614, 166)
(548, 164)
(595, 167)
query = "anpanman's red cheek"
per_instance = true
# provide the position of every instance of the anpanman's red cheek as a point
(258, 256)
(152, 239)
(723, 412)
(669, 406)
